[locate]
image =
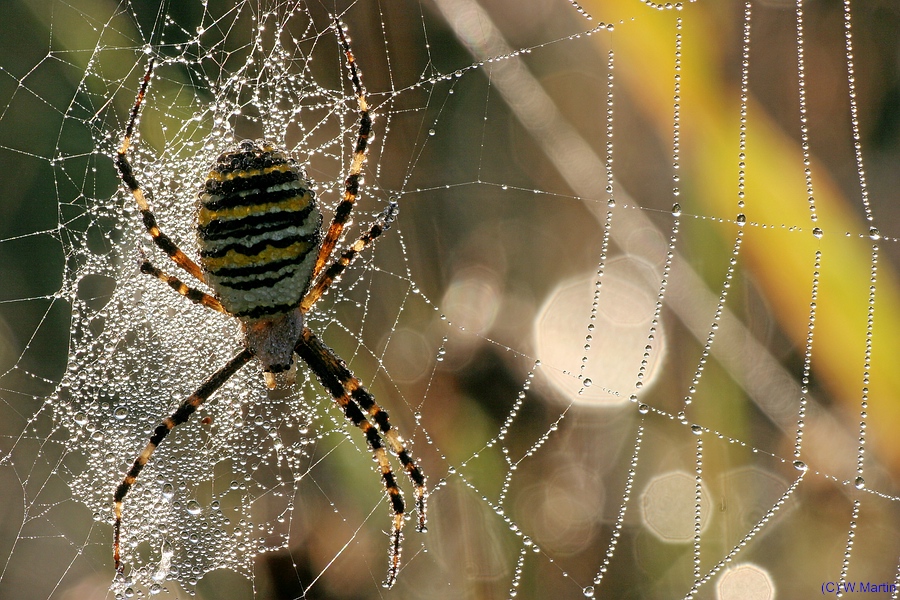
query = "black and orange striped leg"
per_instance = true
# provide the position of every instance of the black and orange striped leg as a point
(366, 401)
(178, 417)
(333, 272)
(332, 372)
(127, 175)
(351, 182)
(193, 294)
(354, 399)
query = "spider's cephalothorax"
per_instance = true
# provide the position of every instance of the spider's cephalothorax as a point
(263, 255)
(259, 232)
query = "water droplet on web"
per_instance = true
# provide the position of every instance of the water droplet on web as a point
(587, 382)
(676, 210)
(588, 591)
(643, 408)
(800, 465)
(817, 233)
(193, 507)
(859, 483)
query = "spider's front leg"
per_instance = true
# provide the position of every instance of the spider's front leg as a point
(353, 398)
(193, 294)
(126, 173)
(354, 174)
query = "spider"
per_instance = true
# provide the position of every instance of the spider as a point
(263, 255)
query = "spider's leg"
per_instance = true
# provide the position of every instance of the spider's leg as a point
(351, 183)
(351, 385)
(331, 372)
(333, 272)
(178, 417)
(127, 175)
(193, 294)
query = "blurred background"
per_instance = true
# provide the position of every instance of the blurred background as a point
(552, 415)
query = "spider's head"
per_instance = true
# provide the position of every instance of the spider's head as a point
(272, 340)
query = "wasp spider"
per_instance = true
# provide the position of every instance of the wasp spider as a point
(263, 255)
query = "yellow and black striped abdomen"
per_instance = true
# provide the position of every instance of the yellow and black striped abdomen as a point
(258, 229)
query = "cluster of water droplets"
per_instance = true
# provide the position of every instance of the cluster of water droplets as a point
(745, 92)
(807, 356)
(859, 482)
(804, 119)
(854, 114)
(244, 444)
(220, 489)
(676, 113)
(587, 382)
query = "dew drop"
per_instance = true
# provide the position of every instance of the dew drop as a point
(676, 210)
(168, 491)
(859, 483)
(193, 507)
(588, 591)
(587, 382)
(800, 465)
(817, 233)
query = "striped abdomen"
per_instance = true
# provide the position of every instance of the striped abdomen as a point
(258, 229)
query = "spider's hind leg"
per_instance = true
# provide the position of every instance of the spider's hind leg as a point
(181, 414)
(353, 398)
(367, 402)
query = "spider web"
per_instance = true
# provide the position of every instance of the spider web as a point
(636, 318)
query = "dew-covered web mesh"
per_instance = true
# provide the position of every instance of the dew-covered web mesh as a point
(636, 319)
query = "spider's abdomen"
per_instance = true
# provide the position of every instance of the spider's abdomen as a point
(258, 229)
